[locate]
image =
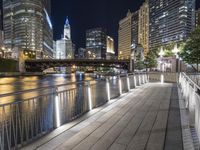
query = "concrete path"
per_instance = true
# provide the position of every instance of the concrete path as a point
(146, 118)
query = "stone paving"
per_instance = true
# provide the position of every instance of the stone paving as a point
(146, 118)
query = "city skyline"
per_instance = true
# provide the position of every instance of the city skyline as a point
(108, 18)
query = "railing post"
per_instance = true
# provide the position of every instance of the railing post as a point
(143, 79)
(162, 78)
(56, 107)
(146, 77)
(192, 106)
(120, 85)
(135, 81)
(139, 78)
(128, 82)
(108, 88)
(90, 105)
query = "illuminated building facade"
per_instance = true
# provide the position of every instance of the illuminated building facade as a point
(65, 47)
(96, 43)
(110, 45)
(27, 26)
(135, 21)
(198, 17)
(125, 37)
(143, 25)
(82, 53)
(170, 21)
(110, 53)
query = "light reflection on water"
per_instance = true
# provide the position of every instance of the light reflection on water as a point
(16, 84)
(38, 114)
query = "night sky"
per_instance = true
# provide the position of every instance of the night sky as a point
(85, 14)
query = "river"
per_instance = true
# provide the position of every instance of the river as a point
(16, 84)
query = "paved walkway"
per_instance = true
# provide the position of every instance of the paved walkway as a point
(147, 118)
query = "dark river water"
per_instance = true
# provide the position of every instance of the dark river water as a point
(16, 84)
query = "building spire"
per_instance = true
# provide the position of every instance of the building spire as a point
(67, 22)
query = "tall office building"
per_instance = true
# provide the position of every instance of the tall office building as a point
(1, 35)
(64, 46)
(110, 45)
(143, 32)
(96, 43)
(198, 17)
(125, 37)
(135, 22)
(170, 21)
(27, 26)
(110, 53)
(1, 30)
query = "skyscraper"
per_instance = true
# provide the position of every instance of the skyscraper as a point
(110, 53)
(135, 22)
(64, 46)
(110, 45)
(27, 26)
(96, 43)
(125, 37)
(143, 32)
(170, 21)
(198, 17)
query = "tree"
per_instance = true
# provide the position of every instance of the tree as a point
(191, 50)
(151, 59)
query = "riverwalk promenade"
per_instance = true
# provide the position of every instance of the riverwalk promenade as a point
(151, 117)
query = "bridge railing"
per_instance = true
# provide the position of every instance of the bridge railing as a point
(191, 94)
(26, 120)
(163, 77)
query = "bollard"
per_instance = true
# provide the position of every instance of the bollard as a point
(90, 105)
(56, 104)
(108, 89)
(120, 85)
(128, 82)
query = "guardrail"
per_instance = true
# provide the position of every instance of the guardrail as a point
(23, 121)
(163, 77)
(191, 94)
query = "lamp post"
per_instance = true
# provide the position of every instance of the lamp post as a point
(161, 54)
(132, 58)
(176, 51)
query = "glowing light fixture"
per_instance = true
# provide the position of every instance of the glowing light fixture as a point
(57, 112)
(108, 89)
(162, 79)
(120, 86)
(128, 83)
(89, 97)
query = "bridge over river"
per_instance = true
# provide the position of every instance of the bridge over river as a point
(151, 111)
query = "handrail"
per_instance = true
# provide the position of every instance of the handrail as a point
(191, 81)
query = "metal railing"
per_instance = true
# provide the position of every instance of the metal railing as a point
(23, 121)
(163, 77)
(191, 94)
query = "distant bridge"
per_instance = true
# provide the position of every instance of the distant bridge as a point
(43, 64)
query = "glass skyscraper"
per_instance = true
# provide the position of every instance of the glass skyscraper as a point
(170, 21)
(96, 43)
(27, 26)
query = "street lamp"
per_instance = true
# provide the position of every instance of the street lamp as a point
(176, 51)
(132, 57)
(161, 54)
